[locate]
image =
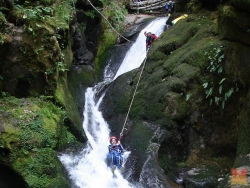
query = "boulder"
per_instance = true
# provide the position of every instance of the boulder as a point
(241, 4)
(234, 25)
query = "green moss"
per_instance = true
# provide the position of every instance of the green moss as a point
(33, 131)
(194, 6)
(158, 55)
(3, 20)
(176, 84)
(37, 123)
(145, 110)
(9, 137)
(106, 42)
(65, 98)
(41, 169)
(68, 57)
(139, 139)
(228, 11)
(168, 166)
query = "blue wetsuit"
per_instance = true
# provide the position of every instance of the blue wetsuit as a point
(115, 156)
(166, 7)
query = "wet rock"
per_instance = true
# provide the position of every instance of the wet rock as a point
(121, 48)
(152, 174)
(209, 182)
(234, 25)
(85, 59)
(133, 30)
(241, 4)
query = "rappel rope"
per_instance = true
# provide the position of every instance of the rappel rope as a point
(107, 21)
(121, 134)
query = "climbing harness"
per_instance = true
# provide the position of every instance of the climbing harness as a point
(108, 21)
(144, 62)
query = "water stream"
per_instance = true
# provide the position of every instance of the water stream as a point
(89, 169)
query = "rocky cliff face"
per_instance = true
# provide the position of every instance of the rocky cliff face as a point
(195, 90)
(47, 61)
(190, 115)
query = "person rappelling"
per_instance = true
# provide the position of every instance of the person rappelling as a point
(115, 156)
(150, 38)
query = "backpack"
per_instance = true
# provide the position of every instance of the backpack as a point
(154, 36)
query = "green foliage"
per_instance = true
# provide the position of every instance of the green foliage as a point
(61, 67)
(63, 11)
(214, 89)
(91, 14)
(57, 15)
(83, 26)
(38, 122)
(3, 20)
(1, 39)
(215, 58)
(36, 13)
(115, 12)
(188, 96)
(46, 2)
(40, 168)
(33, 131)
(4, 94)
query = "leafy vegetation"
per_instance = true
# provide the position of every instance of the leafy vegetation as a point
(35, 127)
(33, 130)
(217, 91)
(39, 168)
(3, 20)
(115, 12)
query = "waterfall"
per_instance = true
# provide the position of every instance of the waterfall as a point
(137, 52)
(89, 168)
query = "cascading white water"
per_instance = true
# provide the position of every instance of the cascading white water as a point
(89, 168)
(137, 52)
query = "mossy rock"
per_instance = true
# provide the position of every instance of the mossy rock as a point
(241, 4)
(41, 169)
(106, 42)
(238, 53)
(233, 25)
(243, 136)
(31, 131)
(3, 20)
(194, 6)
(5, 38)
(171, 90)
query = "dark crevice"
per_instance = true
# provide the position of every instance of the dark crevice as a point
(72, 128)
(10, 178)
(22, 88)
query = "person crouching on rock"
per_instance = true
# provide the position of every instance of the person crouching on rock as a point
(149, 39)
(115, 158)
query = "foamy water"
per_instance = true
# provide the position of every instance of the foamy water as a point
(89, 169)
